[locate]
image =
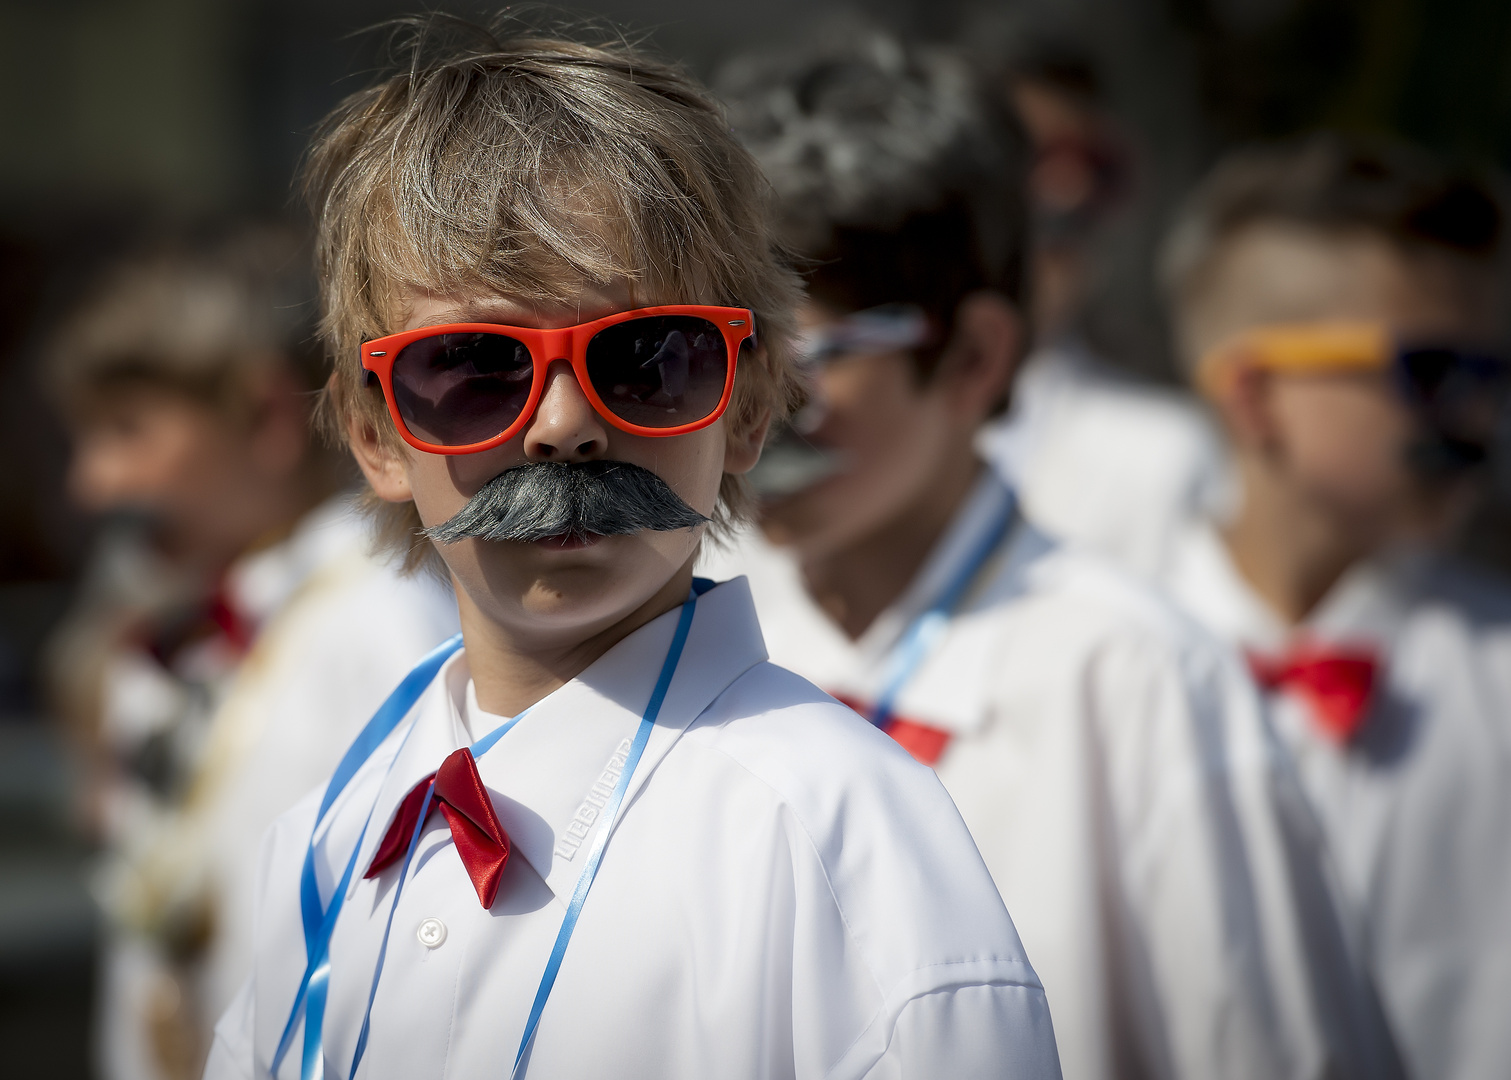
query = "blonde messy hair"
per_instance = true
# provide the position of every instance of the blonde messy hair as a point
(527, 166)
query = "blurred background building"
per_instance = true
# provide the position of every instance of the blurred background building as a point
(120, 117)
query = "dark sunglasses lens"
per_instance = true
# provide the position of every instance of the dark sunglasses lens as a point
(660, 371)
(458, 389)
(1461, 393)
(1431, 375)
(1424, 371)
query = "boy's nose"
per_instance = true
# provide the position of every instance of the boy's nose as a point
(565, 426)
(101, 478)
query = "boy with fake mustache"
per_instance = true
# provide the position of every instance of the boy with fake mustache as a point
(561, 329)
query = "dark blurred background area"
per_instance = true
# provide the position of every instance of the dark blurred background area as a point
(121, 119)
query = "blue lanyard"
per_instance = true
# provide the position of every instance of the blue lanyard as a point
(320, 925)
(610, 813)
(922, 634)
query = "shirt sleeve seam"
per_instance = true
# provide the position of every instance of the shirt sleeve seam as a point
(913, 973)
(898, 1007)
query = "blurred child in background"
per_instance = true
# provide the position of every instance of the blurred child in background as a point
(1099, 457)
(1342, 307)
(1109, 758)
(233, 632)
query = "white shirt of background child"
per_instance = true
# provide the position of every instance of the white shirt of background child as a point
(1417, 807)
(336, 627)
(1113, 767)
(787, 894)
(1104, 461)
(342, 626)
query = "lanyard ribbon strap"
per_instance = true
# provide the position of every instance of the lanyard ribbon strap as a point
(924, 631)
(319, 923)
(600, 842)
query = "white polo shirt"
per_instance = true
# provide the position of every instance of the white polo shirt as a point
(1114, 768)
(787, 894)
(1417, 806)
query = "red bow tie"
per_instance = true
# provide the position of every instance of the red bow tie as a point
(237, 629)
(480, 840)
(1337, 682)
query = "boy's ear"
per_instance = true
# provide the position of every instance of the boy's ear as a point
(742, 444)
(383, 468)
(1242, 399)
(977, 369)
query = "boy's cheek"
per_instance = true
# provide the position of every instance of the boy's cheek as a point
(1347, 438)
(441, 484)
(692, 464)
(155, 461)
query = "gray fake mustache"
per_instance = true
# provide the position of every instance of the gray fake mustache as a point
(544, 499)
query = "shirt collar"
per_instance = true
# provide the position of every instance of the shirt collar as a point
(1368, 603)
(954, 686)
(1205, 581)
(1372, 600)
(547, 774)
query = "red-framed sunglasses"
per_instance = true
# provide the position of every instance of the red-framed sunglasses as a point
(461, 388)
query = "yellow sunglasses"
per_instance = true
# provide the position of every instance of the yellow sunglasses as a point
(1300, 348)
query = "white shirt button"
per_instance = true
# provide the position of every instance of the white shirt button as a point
(432, 933)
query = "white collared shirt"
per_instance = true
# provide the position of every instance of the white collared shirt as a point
(1113, 766)
(1104, 461)
(1417, 807)
(786, 894)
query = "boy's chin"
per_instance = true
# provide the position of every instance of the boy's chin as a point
(563, 586)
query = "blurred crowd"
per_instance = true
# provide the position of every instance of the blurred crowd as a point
(1202, 664)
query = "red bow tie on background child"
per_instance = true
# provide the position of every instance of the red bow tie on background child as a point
(480, 840)
(1337, 682)
(227, 617)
